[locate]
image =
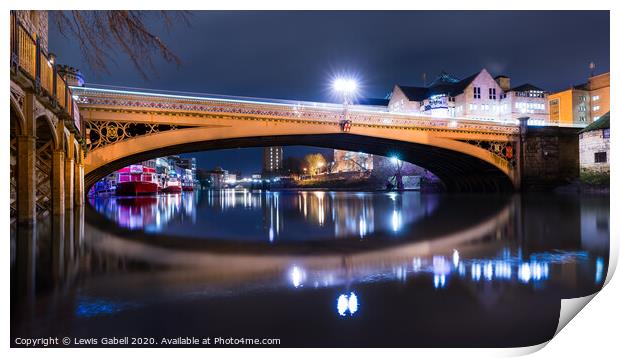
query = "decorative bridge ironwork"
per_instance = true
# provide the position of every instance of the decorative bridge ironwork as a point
(123, 123)
(107, 132)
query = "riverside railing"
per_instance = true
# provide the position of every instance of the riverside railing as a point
(28, 58)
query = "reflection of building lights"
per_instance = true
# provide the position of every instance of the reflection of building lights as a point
(296, 276)
(600, 266)
(524, 273)
(439, 281)
(347, 303)
(362, 227)
(396, 220)
(342, 305)
(440, 266)
(502, 270)
(476, 271)
(462, 270)
(416, 264)
(488, 271)
(352, 303)
(455, 258)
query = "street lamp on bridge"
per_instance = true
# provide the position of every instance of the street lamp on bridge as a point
(346, 88)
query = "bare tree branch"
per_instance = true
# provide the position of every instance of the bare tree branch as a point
(101, 33)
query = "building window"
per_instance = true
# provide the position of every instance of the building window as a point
(595, 98)
(595, 118)
(582, 108)
(492, 93)
(600, 157)
(476, 92)
(582, 98)
(582, 118)
(606, 133)
(596, 108)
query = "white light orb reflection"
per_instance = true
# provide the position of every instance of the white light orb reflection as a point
(347, 303)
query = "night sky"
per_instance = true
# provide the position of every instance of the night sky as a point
(294, 55)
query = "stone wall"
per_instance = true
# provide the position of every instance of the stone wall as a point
(36, 23)
(590, 143)
(550, 157)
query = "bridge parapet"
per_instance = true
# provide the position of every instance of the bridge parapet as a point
(280, 110)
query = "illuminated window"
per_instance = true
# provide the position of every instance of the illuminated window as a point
(595, 118)
(596, 108)
(595, 98)
(606, 133)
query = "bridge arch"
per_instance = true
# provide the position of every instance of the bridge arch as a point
(17, 117)
(461, 166)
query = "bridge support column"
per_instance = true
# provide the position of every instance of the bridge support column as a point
(58, 182)
(78, 176)
(69, 182)
(69, 174)
(26, 179)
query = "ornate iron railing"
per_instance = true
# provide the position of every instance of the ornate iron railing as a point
(30, 59)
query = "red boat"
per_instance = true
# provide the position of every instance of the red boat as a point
(188, 185)
(136, 180)
(173, 184)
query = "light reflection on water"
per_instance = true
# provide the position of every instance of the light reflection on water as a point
(489, 262)
(268, 215)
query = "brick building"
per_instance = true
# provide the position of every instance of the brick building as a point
(594, 145)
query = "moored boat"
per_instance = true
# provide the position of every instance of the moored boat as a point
(136, 180)
(173, 184)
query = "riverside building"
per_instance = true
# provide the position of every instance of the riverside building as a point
(479, 96)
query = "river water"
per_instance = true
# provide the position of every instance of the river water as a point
(311, 268)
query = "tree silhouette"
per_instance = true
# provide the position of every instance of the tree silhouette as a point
(101, 33)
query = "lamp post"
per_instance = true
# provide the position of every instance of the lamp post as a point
(398, 176)
(346, 88)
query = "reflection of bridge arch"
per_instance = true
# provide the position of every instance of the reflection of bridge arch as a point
(124, 128)
(249, 265)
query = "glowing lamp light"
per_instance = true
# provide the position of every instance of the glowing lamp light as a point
(344, 85)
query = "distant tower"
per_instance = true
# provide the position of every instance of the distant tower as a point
(272, 160)
(72, 75)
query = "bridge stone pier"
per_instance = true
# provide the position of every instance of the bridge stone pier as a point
(550, 157)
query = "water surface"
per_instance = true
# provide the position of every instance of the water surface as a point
(313, 268)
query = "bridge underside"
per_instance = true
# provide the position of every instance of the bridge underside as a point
(459, 172)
